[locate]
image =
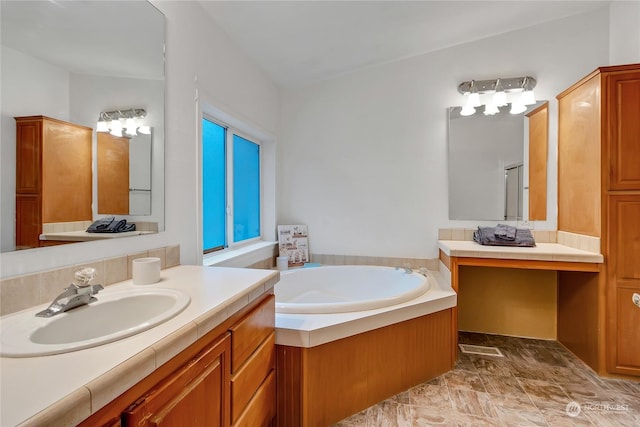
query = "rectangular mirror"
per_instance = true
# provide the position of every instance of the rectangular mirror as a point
(487, 169)
(70, 61)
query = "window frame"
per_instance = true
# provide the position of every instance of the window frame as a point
(230, 131)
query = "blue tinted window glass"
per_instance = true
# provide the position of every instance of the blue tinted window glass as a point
(214, 205)
(246, 189)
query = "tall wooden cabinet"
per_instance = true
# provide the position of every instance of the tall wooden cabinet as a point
(599, 195)
(53, 175)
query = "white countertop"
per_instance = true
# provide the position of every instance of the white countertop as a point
(83, 236)
(81, 382)
(540, 252)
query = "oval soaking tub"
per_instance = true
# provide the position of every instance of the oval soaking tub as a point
(348, 288)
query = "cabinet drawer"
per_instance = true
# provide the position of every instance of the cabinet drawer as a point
(247, 334)
(246, 381)
(262, 408)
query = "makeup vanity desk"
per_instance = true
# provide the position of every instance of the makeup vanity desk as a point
(544, 256)
(574, 266)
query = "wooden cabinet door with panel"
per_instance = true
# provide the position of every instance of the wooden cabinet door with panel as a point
(622, 105)
(623, 282)
(196, 395)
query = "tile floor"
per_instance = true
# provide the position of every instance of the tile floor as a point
(534, 384)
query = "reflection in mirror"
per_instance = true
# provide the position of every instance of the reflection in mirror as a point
(124, 174)
(70, 61)
(487, 168)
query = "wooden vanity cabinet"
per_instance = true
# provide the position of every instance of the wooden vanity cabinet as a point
(197, 392)
(599, 195)
(53, 176)
(225, 378)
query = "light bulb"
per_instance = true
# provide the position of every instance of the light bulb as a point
(467, 110)
(474, 99)
(116, 132)
(115, 125)
(130, 124)
(102, 126)
(517, 107)
(490, 109)
(145, 130)
(500, 98)
(527, 97)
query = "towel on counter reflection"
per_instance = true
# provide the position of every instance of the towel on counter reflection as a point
(110, 225)
(489, 236)
(506, 232)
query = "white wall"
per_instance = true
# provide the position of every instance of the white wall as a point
(362, 159)
(195, 47)
(624, 41)
(26, 81)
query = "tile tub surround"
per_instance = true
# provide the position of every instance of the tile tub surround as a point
(35, 390)
(531, 385)
(21, 292)
(415, 263)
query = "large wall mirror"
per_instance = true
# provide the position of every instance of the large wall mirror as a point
(71, 61)
(489, 159)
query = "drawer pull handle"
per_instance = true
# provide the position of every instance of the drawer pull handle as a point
(636, 299)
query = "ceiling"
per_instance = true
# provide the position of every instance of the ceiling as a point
(88, 37)
(300, 42)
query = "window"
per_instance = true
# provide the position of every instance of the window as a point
(230, 186)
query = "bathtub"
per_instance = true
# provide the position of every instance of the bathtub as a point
(344, 330)
(322, 304)
(348, 288)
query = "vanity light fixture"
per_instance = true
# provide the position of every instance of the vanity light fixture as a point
(520, 89)
(130, 120)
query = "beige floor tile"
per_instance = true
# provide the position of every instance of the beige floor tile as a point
(531, 386)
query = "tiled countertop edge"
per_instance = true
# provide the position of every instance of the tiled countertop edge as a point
(541, 252)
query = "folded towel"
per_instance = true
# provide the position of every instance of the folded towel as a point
(110, 225)
(505, 232)
(487, 236)
(101, 225)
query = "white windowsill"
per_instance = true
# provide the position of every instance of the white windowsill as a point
(241, 257)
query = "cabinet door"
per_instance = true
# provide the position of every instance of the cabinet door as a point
(623, 282)
(66, 172)
(623, 107)
(628, 320)
(196, 395)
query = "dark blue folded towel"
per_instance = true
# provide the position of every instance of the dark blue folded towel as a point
(110, 225)
(505, 232)
(487, 236)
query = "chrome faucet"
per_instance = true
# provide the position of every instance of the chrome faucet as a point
(407, 270)
(78, 293)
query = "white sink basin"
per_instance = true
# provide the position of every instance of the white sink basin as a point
(116, 315)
